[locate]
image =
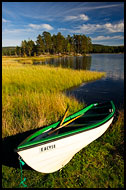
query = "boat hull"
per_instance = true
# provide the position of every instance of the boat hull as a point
(52, 156)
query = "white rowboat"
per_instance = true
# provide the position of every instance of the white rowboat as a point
(48, 153)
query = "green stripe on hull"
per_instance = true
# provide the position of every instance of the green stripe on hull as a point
(27, 142)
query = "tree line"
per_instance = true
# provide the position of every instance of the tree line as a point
(58, 44)
(55, 44)
(96, 48)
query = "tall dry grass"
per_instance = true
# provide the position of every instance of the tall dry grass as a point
(32, 96)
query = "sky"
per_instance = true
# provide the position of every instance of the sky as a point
(103, 22)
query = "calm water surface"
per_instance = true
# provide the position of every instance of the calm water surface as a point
(109, 88)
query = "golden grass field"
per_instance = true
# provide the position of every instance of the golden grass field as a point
(33, 96)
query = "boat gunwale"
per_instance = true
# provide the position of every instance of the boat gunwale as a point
(54, 125)
(67, 134)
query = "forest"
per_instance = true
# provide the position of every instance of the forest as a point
(96, 48)
(58, 44)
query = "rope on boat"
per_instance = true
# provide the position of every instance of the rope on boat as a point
(22, 164)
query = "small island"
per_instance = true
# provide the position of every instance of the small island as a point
(48, 45)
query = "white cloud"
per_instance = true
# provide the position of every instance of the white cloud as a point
(4, 20)
(89, 7)
(84, 17)
(101, 38)
(67, 18)
(41, 26)
(87, 28)
(16, 31)
(64, 29)
(115, 27)
(11, 42)
(79, 17)
(91, 28)
(32, 28)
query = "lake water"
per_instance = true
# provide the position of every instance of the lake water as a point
(108, 88)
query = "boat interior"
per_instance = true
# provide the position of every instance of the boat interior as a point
(91, 117)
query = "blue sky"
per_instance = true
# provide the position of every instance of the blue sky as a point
(103, 22)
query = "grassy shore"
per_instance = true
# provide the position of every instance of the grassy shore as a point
(24, 60)
(33, 96)
(99, 165)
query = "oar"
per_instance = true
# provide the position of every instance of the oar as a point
(61, 121)
(64, 124)
(64, 116)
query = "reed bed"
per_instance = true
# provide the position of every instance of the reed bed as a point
(32, 96)
(16, 79)
(6, 60)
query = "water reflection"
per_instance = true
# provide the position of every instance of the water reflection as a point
(109, 88)
(112, 64)
(82, 62)
(100, 91)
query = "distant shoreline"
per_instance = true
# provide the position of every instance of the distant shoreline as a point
(56, 55)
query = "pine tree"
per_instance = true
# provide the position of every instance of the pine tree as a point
(40, 48)
(46, 36)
